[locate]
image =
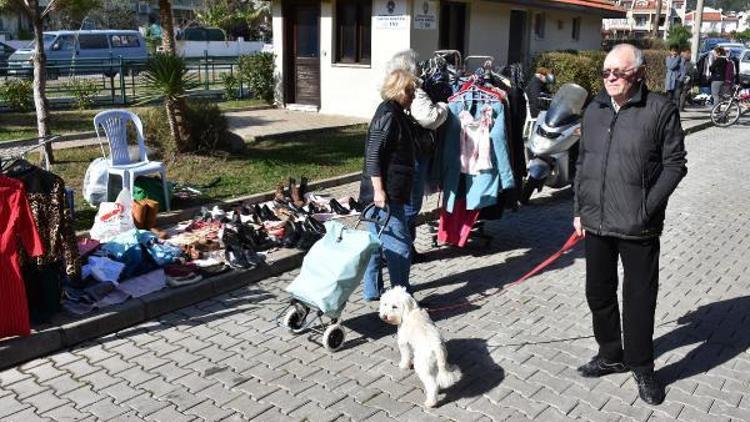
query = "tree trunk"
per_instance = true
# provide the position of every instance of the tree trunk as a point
(178, 125)
(40, 83)
(656, 21)
(167, 26)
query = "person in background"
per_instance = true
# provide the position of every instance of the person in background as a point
(673, 77)
(718, 71)
(387, 180)
(632, 158)
(538, 87)
(689, 78)
(427, 116)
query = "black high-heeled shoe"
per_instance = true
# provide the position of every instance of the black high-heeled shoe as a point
(354, 205)
(302, 187)
(337, 207)
(292, 234)
(315, 226)
(268, 214)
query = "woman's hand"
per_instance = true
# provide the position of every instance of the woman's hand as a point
(380, 198)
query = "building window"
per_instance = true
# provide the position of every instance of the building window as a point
(452, 26)
(576, 34)
(539, 23)
(353, 29)
(641, 20)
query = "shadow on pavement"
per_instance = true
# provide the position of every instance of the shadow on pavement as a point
(720, 331)
(192, 316)
(480, 373)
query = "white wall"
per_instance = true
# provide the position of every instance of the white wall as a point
(218, 48)
(277, 24)
(488, 31)
(353, 89)
(559, 37)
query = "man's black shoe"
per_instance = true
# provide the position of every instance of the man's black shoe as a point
(599, 367)
(649, 388)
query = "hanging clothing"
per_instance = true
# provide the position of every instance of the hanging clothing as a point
(481, 189)
(45, 192)
(475, 140)
(17, 228)
(455, 227)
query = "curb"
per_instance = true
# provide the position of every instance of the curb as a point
(699, 127)
(287, 135)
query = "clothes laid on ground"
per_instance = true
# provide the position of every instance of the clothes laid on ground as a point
(17, 230)
(103, 294)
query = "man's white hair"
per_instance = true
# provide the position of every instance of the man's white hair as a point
(630, 48)
(406, 60)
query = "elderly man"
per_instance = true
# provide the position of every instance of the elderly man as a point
(632, 158)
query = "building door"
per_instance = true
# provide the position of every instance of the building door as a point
(452, 26)
(302, 49)
(517, 37)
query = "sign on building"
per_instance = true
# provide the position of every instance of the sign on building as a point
(425, 14)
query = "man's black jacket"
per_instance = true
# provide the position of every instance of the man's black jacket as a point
(629, 164)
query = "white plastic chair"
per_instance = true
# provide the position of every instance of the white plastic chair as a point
(115, 125)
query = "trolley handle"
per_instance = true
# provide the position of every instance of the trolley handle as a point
(383, 222)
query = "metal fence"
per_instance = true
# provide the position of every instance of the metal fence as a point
(119, 80)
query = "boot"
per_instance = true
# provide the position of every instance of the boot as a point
(279, 194)
(294, 193)
(303, 187)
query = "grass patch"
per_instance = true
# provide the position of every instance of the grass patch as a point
(15, 126)
(318, 156)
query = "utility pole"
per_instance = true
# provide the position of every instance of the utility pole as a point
(668, 19)
(655, 29)
(697, 23)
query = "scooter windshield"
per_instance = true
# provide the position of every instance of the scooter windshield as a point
(566, 105)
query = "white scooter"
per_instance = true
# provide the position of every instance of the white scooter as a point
(552, 145)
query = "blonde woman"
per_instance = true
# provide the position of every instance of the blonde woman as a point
(387, 179)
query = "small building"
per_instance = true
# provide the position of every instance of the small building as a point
(714, 20)
(641, 16)
(330, 54)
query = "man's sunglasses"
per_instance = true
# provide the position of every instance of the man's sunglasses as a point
(619, 74)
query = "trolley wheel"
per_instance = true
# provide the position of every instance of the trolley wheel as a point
(333, 337)
(294, 318)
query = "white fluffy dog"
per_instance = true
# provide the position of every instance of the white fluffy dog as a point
(418, 336)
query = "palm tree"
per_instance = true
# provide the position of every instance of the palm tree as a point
(163, 71)
(167, 76)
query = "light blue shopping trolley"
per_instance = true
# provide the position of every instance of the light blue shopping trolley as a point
(331, 271)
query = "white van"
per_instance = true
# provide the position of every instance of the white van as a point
(82, 52)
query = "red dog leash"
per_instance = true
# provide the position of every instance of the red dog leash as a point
(569, 244)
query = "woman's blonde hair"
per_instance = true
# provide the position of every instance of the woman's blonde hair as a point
(396, 83)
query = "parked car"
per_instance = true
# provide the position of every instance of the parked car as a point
(82, 52)
(710, 43)
(744, 73)
(5, 52)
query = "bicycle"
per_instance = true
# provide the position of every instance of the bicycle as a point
(728, 111)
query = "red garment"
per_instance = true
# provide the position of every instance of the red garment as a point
(16, 225)
(455, 227)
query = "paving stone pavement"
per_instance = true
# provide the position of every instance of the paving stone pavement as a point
(226, 358)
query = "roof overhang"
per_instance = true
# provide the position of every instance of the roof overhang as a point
(603, 8)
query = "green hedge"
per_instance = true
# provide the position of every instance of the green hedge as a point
(584, 68)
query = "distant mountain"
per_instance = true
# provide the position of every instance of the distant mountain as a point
(734, 5)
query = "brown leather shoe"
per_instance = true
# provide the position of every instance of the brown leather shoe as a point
(279, 194)
(295, 193)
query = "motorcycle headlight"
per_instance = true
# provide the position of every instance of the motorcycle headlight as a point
(550, 135)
